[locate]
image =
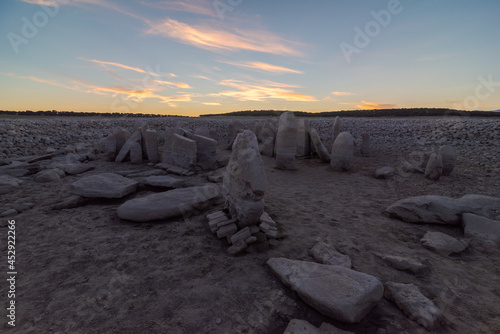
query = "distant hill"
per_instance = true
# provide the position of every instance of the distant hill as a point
(406, 112)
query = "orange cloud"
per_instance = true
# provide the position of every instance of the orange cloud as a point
(260, 92)
(176, 84)
(211, 103)
(371, 106)
(342, 93)
(200, 77)
(209, 38)
(135, 69)
(257, 65)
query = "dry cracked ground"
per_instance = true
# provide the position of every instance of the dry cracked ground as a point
(83, 270)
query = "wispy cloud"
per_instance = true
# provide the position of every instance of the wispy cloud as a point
(370, 106)
(342, 93)
(104, 63)
(217, 40)
(211, 103)
(200, 77)
(260, 92)
(435, 57)
(199, 7)
(176, 84)
(260, 66)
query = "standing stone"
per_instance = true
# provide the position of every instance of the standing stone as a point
(342, 152)
(303, 138)
(183, 152)
(110, 145)
(318, 146)
(258, 131)
(434, 167)
(365, 145)
(206, 152)
(134, 138)
(336, 127)
(449, 157)
(268, 139)
(232, 131)
(167, 146)
(136, 153)
(245, 181)
(202, 131)
(151, 143)
(286, 142)
(121, 136)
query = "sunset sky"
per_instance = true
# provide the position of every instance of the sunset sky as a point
(212, 56)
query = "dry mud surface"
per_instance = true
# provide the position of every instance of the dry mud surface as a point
(83, 270)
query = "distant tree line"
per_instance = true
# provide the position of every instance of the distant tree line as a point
(78, 113)
(402, 112)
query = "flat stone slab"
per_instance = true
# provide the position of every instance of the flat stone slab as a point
(442, 243)
(414, 304)
(326, 254)
(164, 181)
(105, 185)
(338, 292)
(297, 326)
(168, 204)
(482, 229)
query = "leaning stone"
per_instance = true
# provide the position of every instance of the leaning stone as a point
(124, 152)
(384, 173)
(326, 254)
(414, 304)
(449, 157)
(303, 138)
(336, 128)
(434, 167)
(121, 136)
(484, 230)
(340, 293)
(342, 152)
(151, 143)
(265, 218)
(365, 145)
(106, 185)
(168, 204)
(163, 181)
(183, 152)
(286, 142)
(404, 263)
(318, 146)
(442, 243)
(216, 176)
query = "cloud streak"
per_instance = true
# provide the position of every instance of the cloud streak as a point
(342, 93)
(372, 106)
(260, 66)
(198, 7)
(218, 40)
(130, 68)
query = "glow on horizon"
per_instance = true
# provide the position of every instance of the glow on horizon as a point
(192, 57)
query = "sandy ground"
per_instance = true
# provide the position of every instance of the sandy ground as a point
(83, 270)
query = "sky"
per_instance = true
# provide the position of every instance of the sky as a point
(214, 56)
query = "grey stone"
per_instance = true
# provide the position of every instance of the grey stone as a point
(296, 326)
(46, 176)
(241, 235)
(486, 206)
(202, 131)
(245, 180)
(75, 168)
(365, 145)
(268, 139)
(337, 124)
(206, 152)
(404, 263)
(151, 143)
(233, 129)
(167, 146)
(341, 158)
(183, 152)
(71, 202)
(286, 142)
(449, 158)
(168, 204)
(385, 173)
(409, 168)
(8, 184)
(9, 213)
(105, 185)
(216, 176)
(227, 230)
(340, 293)
(414, 304)
(136, 153)
(434, 167)
(121, 136)
(163, 181)
(238, 247)
(325, 254)
(124, 152)
(303, 138)
(442, 243)
(318, 146)
(484, 230)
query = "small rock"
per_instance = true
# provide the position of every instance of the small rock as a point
(9, 213)
(237, 247)
(164, 181)
(442, 243)
(434, 168)
(482, 229)
(385, 173)
(404, 263)
(47, 176)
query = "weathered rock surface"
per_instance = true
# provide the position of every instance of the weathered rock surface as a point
(105, 185)
(319, 148)
(46, 176)
(414, 304)
(336, 128)
(8, 183)
(125, 150)
(335, 291)
(404, 263)
(245, 180)
(269, 131)
(233, 129)
(385, 173)
(76, 168)
(151, 145)
(341, 158)
(286, 142)
(303, 138)
(483, 230)
(163, 181)
(365, 145)
(434, 168)
(326, 254)
(297, 326)
(449, 157)
(206, 152)
(442, 243)
(183, 151)
(168, 204)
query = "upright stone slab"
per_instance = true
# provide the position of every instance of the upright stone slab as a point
(268, 138)
(151, 141)
(258, 131)
(434, 168)
(206, 152)
(167, 146)
(286, 142)
(124, 152)
(336, 127)
(121, 136)
(449, 157)
(136, 153)
(183, 152)
(365, 145)
(342, 152)
(303, 138)
(245, 180)
(110, 144)
(318, 146)
(232, 131)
